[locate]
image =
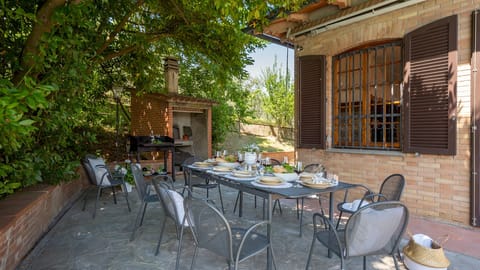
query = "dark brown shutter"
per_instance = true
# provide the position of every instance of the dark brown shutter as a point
(430, 88)
(311, 101)
(475, 108)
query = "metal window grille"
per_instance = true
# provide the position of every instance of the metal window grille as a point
(367, 98)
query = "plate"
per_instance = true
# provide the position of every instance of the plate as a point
(270, 180)
(228, 164)
(221, 169)
(263, 185)
(311, 184)
(306, 176)
(201, 164)
(243, 174)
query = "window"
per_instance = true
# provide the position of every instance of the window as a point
(370, 108)
(367, 98)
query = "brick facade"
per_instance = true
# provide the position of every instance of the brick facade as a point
(438, 187)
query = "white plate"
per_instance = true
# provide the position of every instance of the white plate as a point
(284, 185)
(228, 164)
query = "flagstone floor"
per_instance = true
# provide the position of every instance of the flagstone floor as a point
(79, 242)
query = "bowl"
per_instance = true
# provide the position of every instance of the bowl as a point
(287, 176)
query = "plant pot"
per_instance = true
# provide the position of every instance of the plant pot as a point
(128, 186)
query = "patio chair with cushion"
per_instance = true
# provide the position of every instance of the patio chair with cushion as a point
(390, 190)
(172, 203)
(212, 231)
(101, 177)
(375, 229)
(145, 194)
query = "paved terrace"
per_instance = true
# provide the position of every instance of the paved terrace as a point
(79, 242)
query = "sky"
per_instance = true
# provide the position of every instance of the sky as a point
(266, 57)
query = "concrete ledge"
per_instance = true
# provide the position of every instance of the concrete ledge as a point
(27, 215)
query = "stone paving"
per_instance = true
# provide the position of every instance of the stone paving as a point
(79, 242)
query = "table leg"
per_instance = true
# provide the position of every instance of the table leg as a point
(240, 204)
(269, 231)
(330, 216)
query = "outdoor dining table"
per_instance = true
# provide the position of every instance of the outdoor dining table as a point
(248, 185)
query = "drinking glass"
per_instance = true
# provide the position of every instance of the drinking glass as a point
(299, 167)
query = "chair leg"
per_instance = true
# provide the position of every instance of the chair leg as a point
(126, 197)
(277, 201)
(157, 251)
(195, 251)
(221, 199)
(143, 213)
(136, 225)
(236, 202)
(339, 219)
(179, 248)
(310, 252)
(114, 195)
(395, 261)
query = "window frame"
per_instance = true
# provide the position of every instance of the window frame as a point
(363, 127)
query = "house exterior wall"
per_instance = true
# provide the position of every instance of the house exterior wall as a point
(437, 186)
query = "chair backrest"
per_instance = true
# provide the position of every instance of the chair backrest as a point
(99, 170)
(312, 168)
(88, 169)
(171, 200)
(210, 228)
(392, 187)
(140, 184)
(191, 160)
(376, 229)
(274, 162)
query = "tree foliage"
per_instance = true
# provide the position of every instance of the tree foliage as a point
(61, 58)
(278, 101)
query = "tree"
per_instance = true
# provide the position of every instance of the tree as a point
(278, 102)
(61, 58)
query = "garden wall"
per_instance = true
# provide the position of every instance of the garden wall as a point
(27, 215)
(267, 130)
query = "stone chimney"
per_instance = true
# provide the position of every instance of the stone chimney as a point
(170, 67)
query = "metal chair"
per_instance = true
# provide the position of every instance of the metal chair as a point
(100, 176)
(375, 229)
(144, 195)
(192, 181)
(212, 231)
(390, 190)
(172, 203)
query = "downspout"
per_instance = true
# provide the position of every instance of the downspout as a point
(473, 119)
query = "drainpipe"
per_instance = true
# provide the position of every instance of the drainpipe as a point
(473, 119)
(375, 10)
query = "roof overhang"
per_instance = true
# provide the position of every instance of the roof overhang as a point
(325, 15)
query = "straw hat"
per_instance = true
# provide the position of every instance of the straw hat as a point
(428, 256)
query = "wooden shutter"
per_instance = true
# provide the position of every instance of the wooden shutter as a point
(311, 101)
(475, 107)
(430, 88)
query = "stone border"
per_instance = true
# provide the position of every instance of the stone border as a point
(27, 215)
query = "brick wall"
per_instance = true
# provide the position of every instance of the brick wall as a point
(25, 216)
(437, 187)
